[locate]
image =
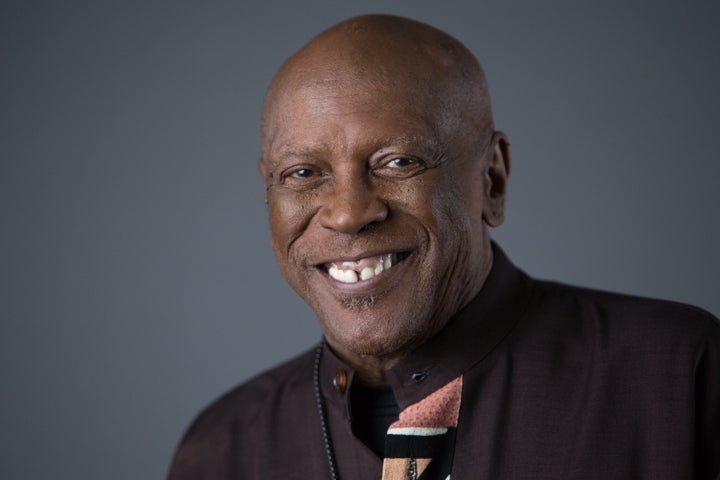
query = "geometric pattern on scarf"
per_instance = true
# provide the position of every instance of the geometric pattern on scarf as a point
(421, 443)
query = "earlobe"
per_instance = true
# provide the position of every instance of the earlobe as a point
(498, 170)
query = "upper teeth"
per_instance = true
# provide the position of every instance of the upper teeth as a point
(364, 269)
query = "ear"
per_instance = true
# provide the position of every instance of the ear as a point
(498, 170)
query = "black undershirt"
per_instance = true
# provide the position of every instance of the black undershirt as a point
(373, 410)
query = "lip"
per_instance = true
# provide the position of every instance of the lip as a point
(376, 285)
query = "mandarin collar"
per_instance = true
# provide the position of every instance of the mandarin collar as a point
(466, 340)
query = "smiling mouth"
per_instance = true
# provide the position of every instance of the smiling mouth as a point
(363, 269)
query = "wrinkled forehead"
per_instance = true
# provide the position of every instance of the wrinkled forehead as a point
(359, 84)
(341, 102)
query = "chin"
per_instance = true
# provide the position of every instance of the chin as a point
(365, 331)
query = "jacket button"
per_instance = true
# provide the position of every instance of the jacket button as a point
(340, 381)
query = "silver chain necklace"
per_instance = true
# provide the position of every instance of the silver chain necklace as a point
(320, 403)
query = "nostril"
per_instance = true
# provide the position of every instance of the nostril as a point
(370, 227)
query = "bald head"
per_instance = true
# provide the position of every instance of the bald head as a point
(383, 53)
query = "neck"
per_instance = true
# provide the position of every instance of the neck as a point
(370, 370)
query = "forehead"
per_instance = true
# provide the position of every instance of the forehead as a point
(335, 112)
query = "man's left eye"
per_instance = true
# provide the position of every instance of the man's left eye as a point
(400, 162)
(399, 167)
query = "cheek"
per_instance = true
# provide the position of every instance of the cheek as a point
(448, 218)
(464, 197)
(436, 203)
(278, 230)
(288, 216)
(419, 196)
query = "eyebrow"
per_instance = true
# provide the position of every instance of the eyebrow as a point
(428, 146)
(423, 142)
(298, 152)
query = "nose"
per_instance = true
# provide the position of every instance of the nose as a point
(351, 206)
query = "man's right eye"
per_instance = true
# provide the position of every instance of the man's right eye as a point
(302, 173)
(301, 178)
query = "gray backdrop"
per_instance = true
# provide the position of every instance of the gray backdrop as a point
(136, 279)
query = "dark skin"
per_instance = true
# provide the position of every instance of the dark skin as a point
(378, 142)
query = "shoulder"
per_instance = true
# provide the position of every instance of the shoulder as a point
(624, 311)
(246, 401)
(618, 328)
(228, 422)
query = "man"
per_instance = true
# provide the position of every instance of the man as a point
(383, 172)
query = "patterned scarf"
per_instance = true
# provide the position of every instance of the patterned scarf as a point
(421, 444)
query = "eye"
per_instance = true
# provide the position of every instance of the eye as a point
(400, 162)
(301, 177)
(302, 173)
(399, 167)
